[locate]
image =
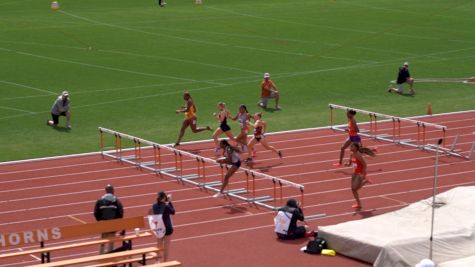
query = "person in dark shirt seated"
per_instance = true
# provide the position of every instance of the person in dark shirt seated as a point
(403, 77)
(286, 222)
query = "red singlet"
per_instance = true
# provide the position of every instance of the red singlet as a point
(357, 165)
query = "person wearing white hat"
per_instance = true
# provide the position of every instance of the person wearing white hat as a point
(425, 263)
(60, 108)
(403, 77)
(268, 90)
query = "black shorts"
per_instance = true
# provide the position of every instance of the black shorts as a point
(224, 127)
(56, 117)
(237, 164)
(299, 232)
(258, 139)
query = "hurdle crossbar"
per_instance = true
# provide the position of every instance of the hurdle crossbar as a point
(381, 115)
(202, 162)
(396, 130)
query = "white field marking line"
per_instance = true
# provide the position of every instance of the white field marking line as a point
(209, 140)
(214, 175)
(104, 67)
(212, 87)
(285, 166)
(179, 60)
(29, 87)
(275, 142)
(192, 168)
(17, 109)
(249, 36)
(120, 168)
(389, 51)
(403, 11)
(31, 255)
(76, 219)
(6, 50)
(288, 21)
(13, 2)
(177, 37)
(256, 214)
(139, 55)
(265, 189)
(395, 200)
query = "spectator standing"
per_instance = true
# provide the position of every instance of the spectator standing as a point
(289, 215)
(403, 77)
(268, 90)
(108, 207)
(60, 108)
(165, 207)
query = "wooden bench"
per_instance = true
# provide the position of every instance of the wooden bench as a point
(56, 234)
(109, 259)
(165, 264)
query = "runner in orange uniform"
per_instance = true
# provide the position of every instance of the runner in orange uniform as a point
(190, 118)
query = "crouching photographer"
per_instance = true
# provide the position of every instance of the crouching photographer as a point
(286, 222)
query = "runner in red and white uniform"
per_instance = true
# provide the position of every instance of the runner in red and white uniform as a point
(259, 137)
(358, 178)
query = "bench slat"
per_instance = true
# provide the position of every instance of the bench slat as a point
(165, 264)
(98, 258)
(150, 256)
(74, 245)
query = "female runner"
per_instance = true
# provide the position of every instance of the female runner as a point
(190, 118)
(243, 117)
(259, 130)
(358, 178)
(222, 115)
(231, 157)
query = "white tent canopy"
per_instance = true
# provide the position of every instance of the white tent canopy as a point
(401, 238)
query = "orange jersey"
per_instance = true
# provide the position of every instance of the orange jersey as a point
(352, 129)
(191, 113)
(266, 86)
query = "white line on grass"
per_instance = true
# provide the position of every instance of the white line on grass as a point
(29, 87)
(178, 37)
(17, 109)
(282, 75)
(288, 21)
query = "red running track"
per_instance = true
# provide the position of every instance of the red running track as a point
(223, 232)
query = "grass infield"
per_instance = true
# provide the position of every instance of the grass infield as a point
(126, 63)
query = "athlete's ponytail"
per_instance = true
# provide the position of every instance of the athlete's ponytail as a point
(363, 150)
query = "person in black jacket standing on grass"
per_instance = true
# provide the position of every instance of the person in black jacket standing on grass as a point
(108, 207)
(165, 207)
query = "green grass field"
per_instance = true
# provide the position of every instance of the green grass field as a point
(144, 56)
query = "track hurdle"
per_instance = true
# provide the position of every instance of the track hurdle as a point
(393, 133)
(193, 169)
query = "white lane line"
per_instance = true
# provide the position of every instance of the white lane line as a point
(17, 109)
(260, 161)
(29, 87)
(179, 37)
(136, 55)
(331, 180)
(103, 67)
(282, 75)
(317, 25)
